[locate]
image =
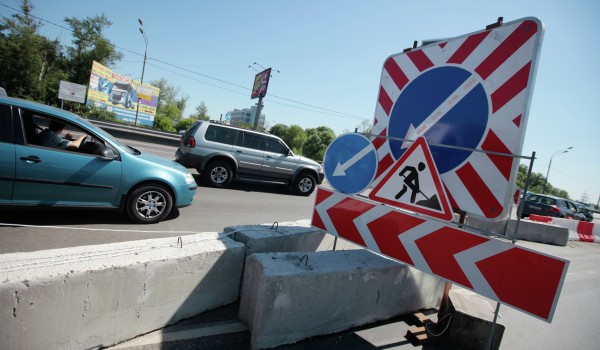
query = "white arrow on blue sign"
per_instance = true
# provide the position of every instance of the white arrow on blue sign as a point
(350, 163)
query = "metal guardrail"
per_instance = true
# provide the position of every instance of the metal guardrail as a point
(137, 133)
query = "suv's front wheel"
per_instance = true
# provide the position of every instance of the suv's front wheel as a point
(304, 184)
(217, 173)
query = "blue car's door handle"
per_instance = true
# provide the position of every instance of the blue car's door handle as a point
(31, 159)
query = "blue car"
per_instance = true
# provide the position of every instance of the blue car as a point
(53, 158)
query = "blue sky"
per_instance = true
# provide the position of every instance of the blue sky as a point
(330, 56)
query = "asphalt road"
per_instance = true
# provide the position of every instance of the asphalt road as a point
(33, 229)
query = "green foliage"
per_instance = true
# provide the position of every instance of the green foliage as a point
(89, 45)
(295, 137)
(279, 130)
(163, 123)
(100, 114)
(184, 124)
(536, 183)
(318, 140)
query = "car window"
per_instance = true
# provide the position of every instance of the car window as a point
(252, 141)
(221, 135)
(275, 146)
(5, 124)
(39, 131)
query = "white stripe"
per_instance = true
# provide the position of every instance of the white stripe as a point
(390, 87)
(460, 193)
(511, 66)
(467, 259)
(325, 205)
(490, 175)
(407, 66)
(409, 237)
(502, 124)
(363, 220)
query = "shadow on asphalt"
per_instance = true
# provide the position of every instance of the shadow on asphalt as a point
(249, 186)
(67, 216)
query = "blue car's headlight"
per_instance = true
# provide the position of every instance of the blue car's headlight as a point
(189, 179)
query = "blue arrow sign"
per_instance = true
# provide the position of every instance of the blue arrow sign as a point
(350, 163)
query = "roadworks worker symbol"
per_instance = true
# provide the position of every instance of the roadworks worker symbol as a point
(414, 184)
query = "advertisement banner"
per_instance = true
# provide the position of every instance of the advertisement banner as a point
(119, 94)
(261, 83)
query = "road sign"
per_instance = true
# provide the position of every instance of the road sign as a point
(414, 184)
(471, 92)
(525, 279)
(350, 163)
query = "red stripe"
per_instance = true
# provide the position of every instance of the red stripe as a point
(443, 44)
(342, 216)
(479, 190)
(439, 247)
(385, 101)
(420, 59)
(467, 47)
(511, 88)
(517, 121)
(453, 203)
(492, 143)
(385, 231)
(514, 41)
(585, 231)
(535, 285)
(321, 196)
(384, 164)
(379, 141)
(396, 73)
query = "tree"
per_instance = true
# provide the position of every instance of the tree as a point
(279, 130)
(317, 142)
(89, 45)
(202, 111)
(536, 183)
(26, 57)
(295, 137)
(185, 124)
(164, 123)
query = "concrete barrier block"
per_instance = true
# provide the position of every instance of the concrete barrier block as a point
(287, 297)
(85, 297)
(471, 322)
(296, 236)
(528, 230)
(540, 232)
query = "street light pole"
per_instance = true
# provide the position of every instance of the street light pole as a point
(143, 68)
(550, 164)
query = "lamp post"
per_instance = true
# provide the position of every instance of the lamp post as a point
(550, 164)
(143, 68)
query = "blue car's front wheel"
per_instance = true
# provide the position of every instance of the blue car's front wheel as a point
(149, 204)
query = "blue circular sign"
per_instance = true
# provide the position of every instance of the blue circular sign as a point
(464, 125)
(350, 163)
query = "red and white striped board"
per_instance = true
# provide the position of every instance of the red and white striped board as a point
(502, 63)
(522, 278)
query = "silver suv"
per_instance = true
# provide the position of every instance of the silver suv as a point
(221, 153)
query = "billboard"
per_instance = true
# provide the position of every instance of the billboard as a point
(261, 82)
(119, 94)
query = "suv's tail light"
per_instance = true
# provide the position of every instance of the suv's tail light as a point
(554, 209)
(190, 142)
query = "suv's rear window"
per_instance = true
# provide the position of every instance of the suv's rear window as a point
(222, 135)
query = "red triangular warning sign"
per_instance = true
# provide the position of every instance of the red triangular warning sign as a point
(414, 184)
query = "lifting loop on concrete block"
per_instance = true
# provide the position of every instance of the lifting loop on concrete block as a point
(276, 224)
(180, 242)
(302, 258)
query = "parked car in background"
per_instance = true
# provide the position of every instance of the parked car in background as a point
(221, 153)
(97, 171)
(547, 205)
(585, 210)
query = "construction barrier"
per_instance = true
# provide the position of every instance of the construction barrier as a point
(578, 230)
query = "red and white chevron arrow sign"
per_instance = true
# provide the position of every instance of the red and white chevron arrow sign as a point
(522, 278)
